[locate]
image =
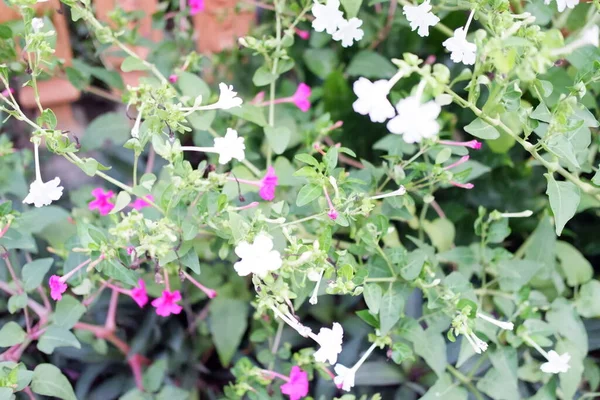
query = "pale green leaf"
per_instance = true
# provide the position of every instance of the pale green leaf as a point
(49, 381)
(564, 199)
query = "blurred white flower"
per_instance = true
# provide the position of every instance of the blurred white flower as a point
(461, 50)
(327, 16)
(314, 297)
(509, 326)
(330, 341)
(349, 31)
(230, 146)
(561, 5)
(42, 194)
(37, 24)
(415, 121)
(556, 363)
(227, 97)
(258, 257)
(478, 345)
(420, 17)
(372, 99)
(344, 377)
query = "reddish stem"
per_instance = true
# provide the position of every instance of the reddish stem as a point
(110, 324)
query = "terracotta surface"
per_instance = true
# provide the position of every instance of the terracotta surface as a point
(219, 26)
(57, 93)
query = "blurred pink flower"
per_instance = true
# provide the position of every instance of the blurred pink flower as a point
(165, 305)
(302, 34)
(302, 97)
(101, 202)
(173, 78)
(196, 6)
(297, 386)
(140, 203)
(139, 294)
(57, 287)
(268, 184)
(473, 144)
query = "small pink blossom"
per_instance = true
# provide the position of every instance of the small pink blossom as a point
(165, 305)
(196, 6)
(101, 202)
(332, 214)
(139, 294)
(130, 250)
(268, 184)
(173, 78)
(462, 160)
(297, 386)
(473, 144)
(462, 185)
(302, 97)
(7, 92)
(57, 287)
(305, 35)
(140, 203)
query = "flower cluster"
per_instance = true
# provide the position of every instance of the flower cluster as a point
(329, 18)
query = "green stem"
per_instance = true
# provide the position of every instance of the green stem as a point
(465, 381)
(274, 72)
(135, 166)
(298, 221)
(387, 260)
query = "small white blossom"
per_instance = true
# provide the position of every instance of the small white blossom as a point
(420, 17)
(591, 36)
(330, 341)
(37, 24)
(561, 5)
(230, 146)
(227, 97)
(42, 194)
(257, 258)
(461, 50)
(415, 121)
(345, 377)
(556, 363)
(372, 99)
(349, 31)
(509, 326)
(315, 294)
(478, 345)
(327, 16)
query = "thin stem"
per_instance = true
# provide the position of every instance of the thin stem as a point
(274, 72)
(298, 221)
(465, 381)
(110, 323)
(72, 272)
(36, 155)
(135, 167)
(166, 275)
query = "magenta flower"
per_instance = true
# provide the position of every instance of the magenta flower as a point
(101, 203)
(57, 287)
(268, 184)
(139, 294)
(196, 6)
(302, 34)
(173, 78)
(297, 386)
(165, 305)
(7, 92)
(462, 185)
(473, 144)
(140, 203)
(332, 214)
(301, 97)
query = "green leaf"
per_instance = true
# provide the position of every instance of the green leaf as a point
(514, 274)
(401, 352)
(428, 344)
(122, 201)
(308, 193)
(133, 64)
(5, 32)
(263, 76)
(564, 199)
(68, 312)
(239, 226)
(588, 302)
(482, 130)
(541, 113)
(49, 381)
(11, 334)
(56, 336)
(278, 138)
(441, 232)
(565, 321)
(450, 390)
(570, 380)
(373, 294)
(77, 78)
(250, 113)
(193, 86)
(576, 268)
(154, 376)
(228, 322)
(169, 392)
(370, 64)
(390, 309)
(501, 382)
(34, 272)
(414, 265)
(114, 269)
(112, 126)
(321, 62)
(17, 302)
(352, 7)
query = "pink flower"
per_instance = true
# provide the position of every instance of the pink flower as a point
(57, 287)
(332, 214)
(297, 386)
(301, 97)
(7, 92)
(130, 250)
(140, 203)
(462, 185)
(173, 78)
(268, 184)
(473, 144)
(101, 203)
(196, 6)
(165, 305)
(302, 34)
(139, 294)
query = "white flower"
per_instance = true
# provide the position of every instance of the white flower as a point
(478, 345)
(330, 341)
(37, 24)
(460, 49)
(556, 363)
(398, 192)
(327, 17)
(230, 146)
(415, 121)
(349, 31)
(372, 99)
(257, 258)
(591, 36)
(227, 97)
(345, 377)
(315, 294)
(562, 4)
(420, 17)
(42, 194)
(501, 324)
